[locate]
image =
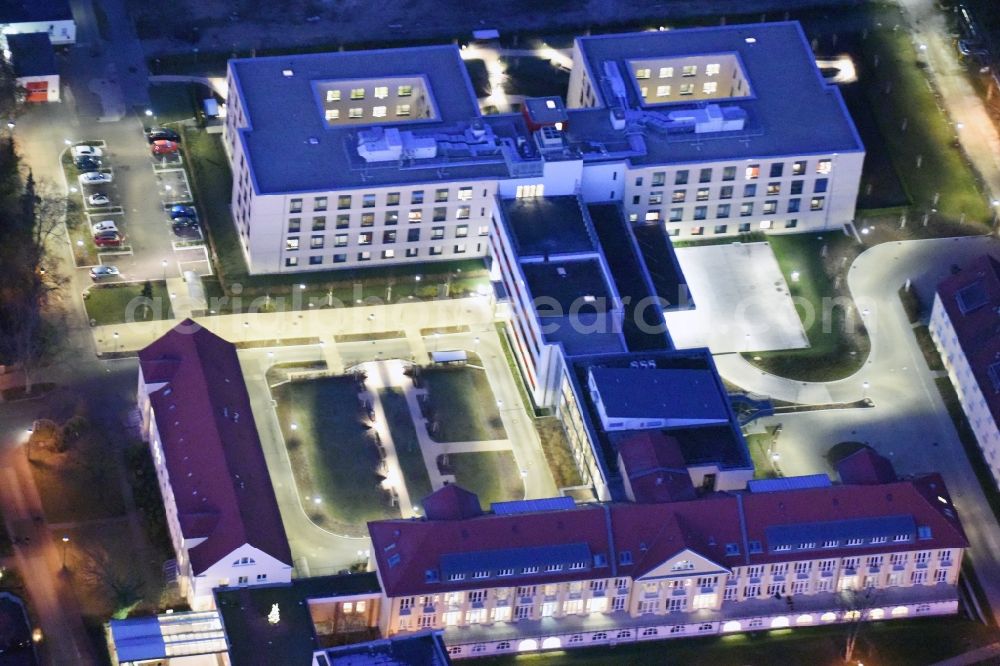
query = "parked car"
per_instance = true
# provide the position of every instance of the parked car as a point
(182, 211)
(86, 151)
(86, 164)
(103, 225)
(101, 272)
(184, 223)
(161, 134)
(969, 47)
(164, 147)
(108, 239)
(99, 199)
(94, 178)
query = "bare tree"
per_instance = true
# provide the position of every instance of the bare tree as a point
(855, 608)
(123, 584)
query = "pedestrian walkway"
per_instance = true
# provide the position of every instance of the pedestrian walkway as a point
(986, 654)
(38, 561)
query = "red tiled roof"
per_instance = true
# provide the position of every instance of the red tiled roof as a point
(655, 467)
(978, 329)
(865, 466)
(451, 502)
(718, 527)
(210, 445)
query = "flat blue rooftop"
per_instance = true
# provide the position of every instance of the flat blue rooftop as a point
(291, 147)
(792, 110)
(661, 393)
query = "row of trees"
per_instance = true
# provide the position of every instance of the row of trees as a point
(29, 215)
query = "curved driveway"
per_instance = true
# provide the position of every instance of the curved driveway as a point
(909, 422)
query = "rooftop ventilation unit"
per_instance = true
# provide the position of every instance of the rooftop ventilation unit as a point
(287, 73)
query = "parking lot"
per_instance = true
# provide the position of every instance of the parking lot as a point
(142, 188)
(741, 301)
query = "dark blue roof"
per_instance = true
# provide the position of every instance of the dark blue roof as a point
(532, 505)
(26, 11)
(840, 531)
(470, 562)
(674, 393)
(793, 112)
(138, 639)
(290, 147)
(425, 649)
(31, 54)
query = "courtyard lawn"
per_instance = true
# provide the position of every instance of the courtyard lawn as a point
(838, 342)
(333, 457)
(462, 405)
(923, 641)
(493, 475)
(534, 77)
(124, 302)
(404, 436)
(759, 444)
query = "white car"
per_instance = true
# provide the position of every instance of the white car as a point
(86, 151)
(98, 199)
(94, 178)
(104, 225)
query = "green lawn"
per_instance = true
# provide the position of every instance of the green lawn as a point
(759, 445)
(120, 303)
(493, 475)
(404, 436)
(928, 135)
(333, 456)
(461, 405)
(838, 343)
(557, 452)
(534, 77)
(82, 483)
(171, 102)
(890, 643)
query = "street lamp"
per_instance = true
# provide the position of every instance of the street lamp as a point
(164, 264)
(65, 540)
(116, 340)
(149, 113)
(864, 386)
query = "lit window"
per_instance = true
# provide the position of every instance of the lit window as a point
(643, 91)
(402, 109)
(332, 114)
(689, 70)
(365, 238)
(642, 73)
(765, 224)
(357, 93)
(292, 243)
(687, 89)
(378, 112)
(713, 69)
(464, 193)
(653, 216)
(666, 72)
(333, 95)
(404, 91)
(356, 112)
(709, 88)
(824, 166)
(798, 168)
(752, 171)
(381, 92)
(663, 91)
(388, 254)
(816, 203)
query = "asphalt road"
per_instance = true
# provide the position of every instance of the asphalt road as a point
(908, 423)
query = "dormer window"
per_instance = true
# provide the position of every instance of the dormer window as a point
(625, 557)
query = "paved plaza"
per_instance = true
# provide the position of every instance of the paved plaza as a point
(741, 301)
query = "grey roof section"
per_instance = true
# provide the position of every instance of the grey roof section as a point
(426, 649)
(794, 111)
(471, 562)
(291, 148)
(654, 393)
(561, 287)
(25, 11)
(840, 531)
(31, 54)
(548, 225)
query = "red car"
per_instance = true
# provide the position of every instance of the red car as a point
(108, 239)
(164, 147)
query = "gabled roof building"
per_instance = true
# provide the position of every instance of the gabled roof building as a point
(548, 578)
(965, 326)
(223, 517)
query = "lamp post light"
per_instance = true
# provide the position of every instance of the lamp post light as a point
(164, 265)
(864, 387)
(116, 340)
(65, 540)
